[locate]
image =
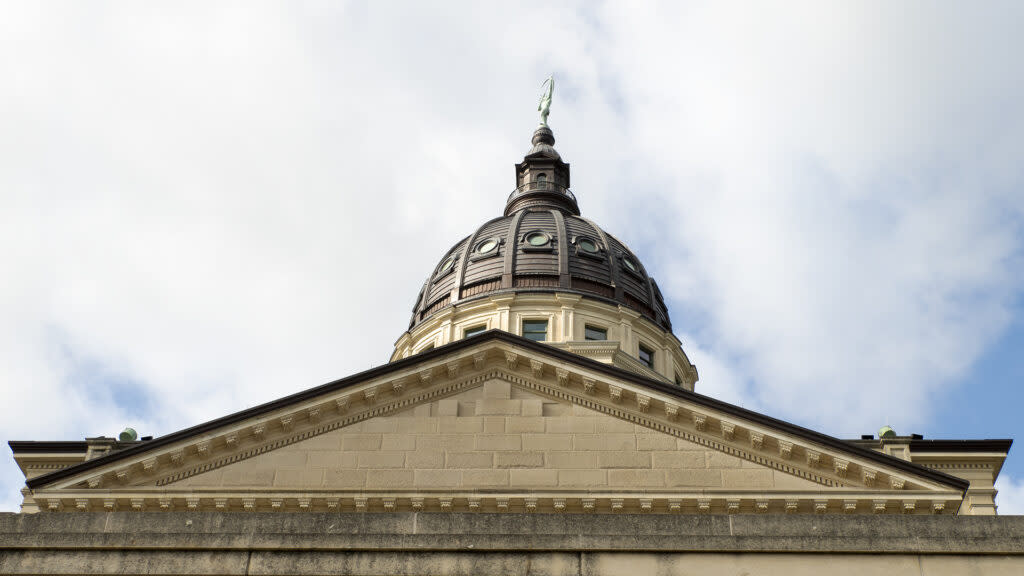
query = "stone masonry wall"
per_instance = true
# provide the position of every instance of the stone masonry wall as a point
(496, 437)
(414, 544)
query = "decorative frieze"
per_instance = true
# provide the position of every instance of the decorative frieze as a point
(313, 414)
(512, 359)
(589, 385)
(341, 404)
(813, 458)
(258, 430)
(453, 369)
(840, 466)
(370, 394)
(671, 411)
(149, 464)
(398, 386)
(728, 429)
(426, 376)
(391, 502)
(563, 376)
(537, 367)
(700, 421)
(123, 474)
(869, 476)
(203, 448)
(94, 482)
(756, 440)
(896, 483)
(785, 449)
(643, 403)
(286, 422)
(478, 360)
(615, 392)
(232, 439)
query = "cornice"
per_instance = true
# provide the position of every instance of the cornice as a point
(562, 374)
(546, 501)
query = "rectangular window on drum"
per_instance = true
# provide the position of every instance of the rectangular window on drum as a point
(474, 330)
(536, 330)
(594, 333)
(647, 356)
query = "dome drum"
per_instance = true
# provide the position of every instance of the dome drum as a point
(542, 250)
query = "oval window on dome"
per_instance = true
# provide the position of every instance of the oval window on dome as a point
(537, 239)
(487, 246)
(447, 265)
(630, 264)
(587, 245)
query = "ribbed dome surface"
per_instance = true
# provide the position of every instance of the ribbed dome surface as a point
(541, 244)
(567, 254)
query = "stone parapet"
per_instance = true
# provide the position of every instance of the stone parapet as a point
(455, 543)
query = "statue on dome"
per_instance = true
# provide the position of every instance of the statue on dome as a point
(545, 99)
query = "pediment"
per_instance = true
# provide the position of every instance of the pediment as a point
(499, 426)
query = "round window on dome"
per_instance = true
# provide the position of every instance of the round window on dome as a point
(537, 239)
(487, 246)
(447, 265)
(628, 262)
(587, 245)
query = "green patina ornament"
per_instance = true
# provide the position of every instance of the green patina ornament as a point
(545, 99)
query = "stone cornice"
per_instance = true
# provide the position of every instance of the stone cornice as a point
(534, 366)
(544, 501)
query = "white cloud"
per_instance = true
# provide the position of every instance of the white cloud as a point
(219, 205)
(1010, 499)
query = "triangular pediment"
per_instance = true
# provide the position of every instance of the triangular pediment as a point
(495, 436)
(502, 424)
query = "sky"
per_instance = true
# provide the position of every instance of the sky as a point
(206, 206)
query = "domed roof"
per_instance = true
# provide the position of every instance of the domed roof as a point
(541, 244)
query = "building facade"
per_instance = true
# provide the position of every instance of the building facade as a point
(537, 416)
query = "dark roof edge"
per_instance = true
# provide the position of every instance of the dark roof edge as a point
(509, 338)
(48, 446)
(987, 445)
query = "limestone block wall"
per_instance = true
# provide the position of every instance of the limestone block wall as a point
(436, 544)
(497, 437)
